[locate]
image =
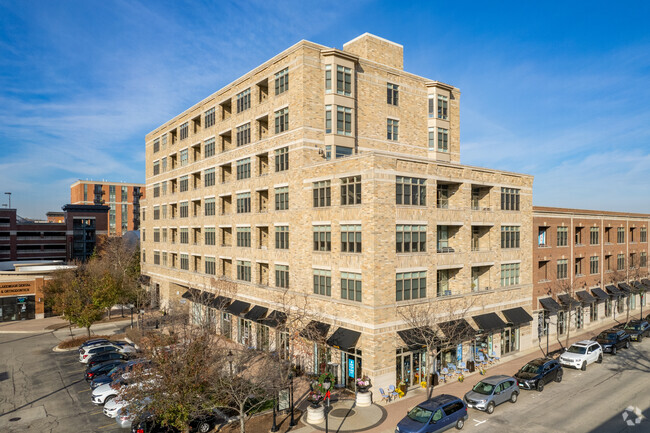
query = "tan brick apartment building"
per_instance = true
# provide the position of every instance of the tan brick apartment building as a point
(122, 198)
(595, 260)
(335, 174)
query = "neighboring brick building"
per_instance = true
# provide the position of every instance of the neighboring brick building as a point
(337, 175)
(122, 198)
(73, 238)
(595, 257)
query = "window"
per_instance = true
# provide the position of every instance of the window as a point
(631, 261)
(156, 212)
(442, 107)
(184, 130)
(163, 188)
(608, 308)
(328, 119)
(184, 157)
(392, 94)
(209, 148)
(410, 191)
(282, 159)
(560, 323)
(282, 198)
(281, 120)
(210, 266)
(328, 78)
(183, 183)
(209, 177)
(156, 190)
(184, 236)
(509, 274)
(164, 258)
(343, 120)
(185, 262)
(243, 134)
(509, 236)
(351, 286)
(509, 199)
(593, 313)
(593, 265)
(541, 237)
(322, 238)
(341, 152)
(392, 129)
(282, 83)
(282, 237)
(442, 283)
(164, 164)
(282, 276)
(443, 140)
(432, 138)
(643, 259)
(243, 270)
(244, 237)
(209, 118)
(410, 285)
(183, 209)
(411, 239)
(156, 167)
(350, 238)
(156, 257)
(164, 141)
(156, 145)
(156, 235)
(351, 190)
(442, 196)
(343, 81)
(643, 235)
(578, 267)
(562, 269)
(562, 236)
(322, 282)
(244, 100)
(209, 207)
(244, 202)
(244, 168)
(210, 236)
(593, 236)
(631, 234)
(620, 235)
(620, 262)
(322, 193)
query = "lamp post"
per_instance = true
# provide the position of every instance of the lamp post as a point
(274, 427)
(547, 321)
(230, 357)
(326, 385)
(292, 422)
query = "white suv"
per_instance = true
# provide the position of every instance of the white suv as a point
(582, 353)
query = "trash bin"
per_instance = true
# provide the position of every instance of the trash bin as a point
(470, 366)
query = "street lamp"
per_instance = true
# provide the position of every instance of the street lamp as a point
(547, 321)
(293, 422)
(230, 358)
(326, 386)
(274, 427)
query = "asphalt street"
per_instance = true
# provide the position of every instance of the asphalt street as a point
(44, 391)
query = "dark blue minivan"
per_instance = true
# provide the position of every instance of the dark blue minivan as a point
(434, 415)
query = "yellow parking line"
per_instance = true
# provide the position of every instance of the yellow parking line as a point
(97, 413)
(107, 426)
(83, 390)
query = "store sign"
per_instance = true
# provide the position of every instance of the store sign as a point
(21, 300)
(351, 367)
(15, 288)
(459, 352)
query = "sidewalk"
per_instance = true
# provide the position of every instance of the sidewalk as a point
(60, 327)
(366, 420)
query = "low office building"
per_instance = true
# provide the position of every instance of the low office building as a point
(334, 177)
(123, 202)
(590, 268)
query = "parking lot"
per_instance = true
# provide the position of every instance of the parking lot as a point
(44, 391)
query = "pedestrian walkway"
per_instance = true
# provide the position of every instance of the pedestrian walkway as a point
(60, 327)
(385, 420)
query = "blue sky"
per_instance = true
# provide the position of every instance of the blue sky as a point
(561, 92)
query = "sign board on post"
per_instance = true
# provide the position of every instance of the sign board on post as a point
(459, 352)
(283, 400)
(351, 368)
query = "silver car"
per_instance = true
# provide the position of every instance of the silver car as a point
(492, 391)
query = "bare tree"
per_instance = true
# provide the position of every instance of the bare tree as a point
(638, 288)
(565, 290)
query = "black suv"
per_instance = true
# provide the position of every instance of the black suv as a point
(538, 373)
(637, 329)
(613, 339)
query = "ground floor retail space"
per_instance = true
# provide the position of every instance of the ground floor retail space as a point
(21, 299)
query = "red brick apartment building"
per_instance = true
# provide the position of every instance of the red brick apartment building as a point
(122, 198)
(595, 262)
(22, 239)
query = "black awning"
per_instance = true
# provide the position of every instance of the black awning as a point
(457, 330)
(315, 331)
(640, 287)
(549, 304)
(198, 296)
(613, 290)
(600, 294)
(625, 288)
(220, 302)
(187, 295)
(489, 322)
(517, 316)
(585, 297)
(567, 301)
(274, 319)
(418, 337)
(238, 307)
(256, 313)
(344, 339)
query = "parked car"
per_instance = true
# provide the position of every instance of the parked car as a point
(102, 368)
(582, 353)
(491, 392)
(105, 393)
(116, 372)
(613, 339)
(90, 351)
(637, 329)
(434, 415)
(201, 423)
(539, 372)
(106, 356)
(93, 342)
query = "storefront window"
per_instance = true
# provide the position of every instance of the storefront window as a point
(226, 325)
(15, 308)
(411, 366)
(560, 323)
(351, 366)
(509, 340)
(483, 346)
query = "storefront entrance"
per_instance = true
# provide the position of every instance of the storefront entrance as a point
(14, 308)
(411, 366)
